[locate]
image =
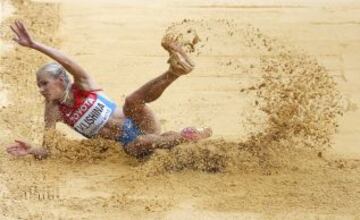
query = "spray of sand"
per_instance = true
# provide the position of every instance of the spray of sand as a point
(296, 101)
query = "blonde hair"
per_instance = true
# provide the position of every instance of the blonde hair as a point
(56, 71)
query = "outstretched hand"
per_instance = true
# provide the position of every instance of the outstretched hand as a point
(19, 148)
(22, 35)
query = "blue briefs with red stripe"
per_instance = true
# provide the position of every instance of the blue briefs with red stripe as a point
(130, 131)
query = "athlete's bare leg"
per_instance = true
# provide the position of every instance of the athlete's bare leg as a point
(135, 104)
(145, 144)
(135, 107)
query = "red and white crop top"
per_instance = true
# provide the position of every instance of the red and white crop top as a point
(89, 113)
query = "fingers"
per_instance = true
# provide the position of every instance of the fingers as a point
(19, 25)
(12, 145)
(20, 142)
(12, 149)
(22, 28)
(16, 150)
(19, 29)
(17, 38)
(15, 31)
(16, 153)
(23, 144)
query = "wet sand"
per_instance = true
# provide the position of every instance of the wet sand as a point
(236, 174)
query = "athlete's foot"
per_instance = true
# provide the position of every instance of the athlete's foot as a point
(180, 63)
(195, 134)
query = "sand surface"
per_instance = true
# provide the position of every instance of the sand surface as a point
(276, 80)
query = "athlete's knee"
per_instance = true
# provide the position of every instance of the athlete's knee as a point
(133, 103)
(132, 100)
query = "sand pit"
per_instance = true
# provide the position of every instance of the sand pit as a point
(274, 106)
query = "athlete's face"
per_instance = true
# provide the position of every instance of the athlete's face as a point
(50, 87)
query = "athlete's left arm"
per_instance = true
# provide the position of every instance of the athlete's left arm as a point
(51, 117)
(81, 77)
(22, 148)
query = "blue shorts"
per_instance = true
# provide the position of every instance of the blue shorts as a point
(130, 131)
